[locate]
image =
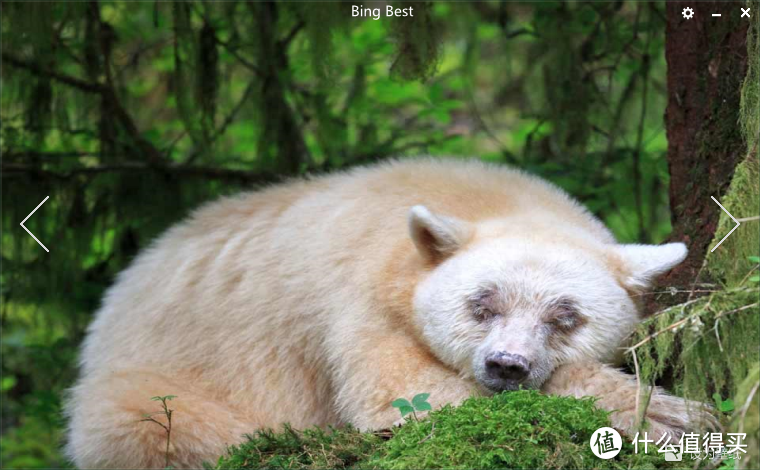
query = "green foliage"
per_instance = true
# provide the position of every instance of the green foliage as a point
(32, 444)
(522, 429)
(419, 403)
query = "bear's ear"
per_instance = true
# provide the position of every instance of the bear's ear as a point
(643, 263)
(436, 236)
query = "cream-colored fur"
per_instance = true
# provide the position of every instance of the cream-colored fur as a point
(320, 301)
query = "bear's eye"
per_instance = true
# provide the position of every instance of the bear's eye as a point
(564, 316)
(483, 306)
(565, 322)
(482, 312)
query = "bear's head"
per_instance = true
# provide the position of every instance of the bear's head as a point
(507, 310)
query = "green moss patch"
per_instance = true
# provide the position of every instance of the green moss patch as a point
(524, 429)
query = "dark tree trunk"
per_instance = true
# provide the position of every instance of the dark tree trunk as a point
(281, 127)
(707, 63)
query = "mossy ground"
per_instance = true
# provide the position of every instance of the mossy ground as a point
(523, 429)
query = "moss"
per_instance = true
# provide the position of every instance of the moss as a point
(522, 429)
(418, 42)
(747, 417)
(706, 345)
(750, 99)
(730, 262)
(312, 448)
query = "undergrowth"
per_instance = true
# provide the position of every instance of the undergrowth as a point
(523, 429)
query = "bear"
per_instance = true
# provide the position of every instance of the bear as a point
(319, 301)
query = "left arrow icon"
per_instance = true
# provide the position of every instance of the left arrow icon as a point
(27, 217)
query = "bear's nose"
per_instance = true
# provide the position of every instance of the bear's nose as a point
(503, 365)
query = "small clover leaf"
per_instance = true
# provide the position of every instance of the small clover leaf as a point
(420, 402)
(403, 406)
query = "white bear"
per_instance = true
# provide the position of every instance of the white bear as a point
(320, 301)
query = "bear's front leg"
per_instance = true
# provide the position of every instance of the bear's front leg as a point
(617, 392)
(377, 372)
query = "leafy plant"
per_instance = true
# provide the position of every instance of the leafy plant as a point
(165, 411)
(419, 403)
(726, 406)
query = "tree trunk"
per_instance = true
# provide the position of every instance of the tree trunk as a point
(707, 63)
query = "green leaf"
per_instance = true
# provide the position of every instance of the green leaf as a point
(403, 406)
(167, 397)
(754, 279)
(400, 402)
(423, 407)
(420, 402)
(727, 406)
(405, 410)
(754, 259)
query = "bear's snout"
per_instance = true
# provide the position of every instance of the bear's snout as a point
(506, 370)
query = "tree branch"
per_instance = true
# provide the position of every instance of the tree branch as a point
(285, 42)
(36, 69)
(243, 61)
(107, 92)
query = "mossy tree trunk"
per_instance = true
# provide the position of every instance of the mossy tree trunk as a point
(707, 63)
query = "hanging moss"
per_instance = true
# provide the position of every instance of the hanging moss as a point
(417, 41)
(324, 21)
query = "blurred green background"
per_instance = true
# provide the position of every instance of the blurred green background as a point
(130, 114)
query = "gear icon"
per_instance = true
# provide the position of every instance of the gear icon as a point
(688, 13)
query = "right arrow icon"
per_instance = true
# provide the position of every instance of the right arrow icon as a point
(730, 231)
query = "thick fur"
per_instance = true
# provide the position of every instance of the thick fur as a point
(318, 302)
